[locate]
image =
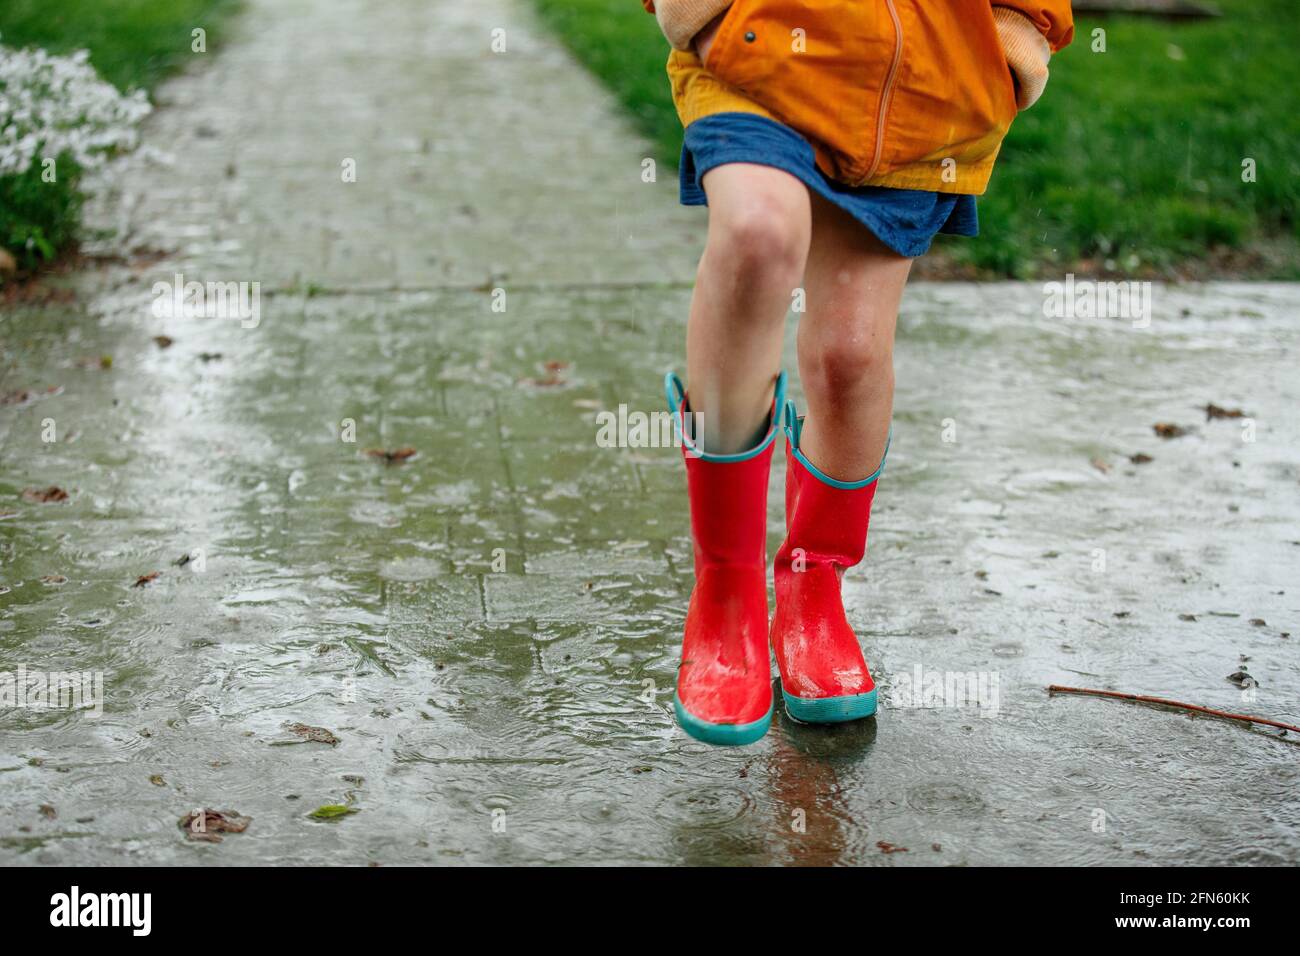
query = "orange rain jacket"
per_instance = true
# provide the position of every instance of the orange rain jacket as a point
(914, 94)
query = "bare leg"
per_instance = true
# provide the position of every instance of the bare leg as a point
(759, 228)
(846, 344)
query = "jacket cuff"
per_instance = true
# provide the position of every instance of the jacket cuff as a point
(682, 19)
(1027, 52)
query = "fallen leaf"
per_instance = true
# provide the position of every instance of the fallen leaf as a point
(332, 811)
(890, 848)
(206, 826)
(1168, 430)
(1141, 458)
(317, 734)
(1122, 614)
(1258, 622)
(48, 811)
(395, 456)
(1187, 617)
(1216, 411)
(1101, 465)
(163, 341)
(144, 579)
(52, 493)
(103, 362)
(157, 780)
(26, 396)
(54, 580)
(554, 375)
(211, 356)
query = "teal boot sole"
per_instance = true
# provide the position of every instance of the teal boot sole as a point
(830, 710)
(721, 735)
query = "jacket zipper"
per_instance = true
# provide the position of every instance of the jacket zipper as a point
(887, 92)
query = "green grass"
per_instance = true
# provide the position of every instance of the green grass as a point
(1131, 162)
(38, 218)
(132, 43)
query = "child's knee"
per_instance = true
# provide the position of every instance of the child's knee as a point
(763, 237)
(846, 363)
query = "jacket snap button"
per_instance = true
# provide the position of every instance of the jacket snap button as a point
(750, 37)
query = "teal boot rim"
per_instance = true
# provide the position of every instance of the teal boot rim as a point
(793, 425)
(675, 392)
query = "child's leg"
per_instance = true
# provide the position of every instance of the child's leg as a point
(846, 340)
(846, 344)
(759, 227)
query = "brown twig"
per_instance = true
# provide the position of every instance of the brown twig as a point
(1143, 699)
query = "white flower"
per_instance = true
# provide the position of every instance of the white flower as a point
(56, 105)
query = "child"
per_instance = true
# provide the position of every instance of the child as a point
(831, 141)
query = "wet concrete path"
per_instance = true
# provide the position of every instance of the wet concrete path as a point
(490, 628)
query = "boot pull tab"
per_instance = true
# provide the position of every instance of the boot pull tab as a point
(792, 424)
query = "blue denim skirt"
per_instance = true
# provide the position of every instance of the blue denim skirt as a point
(905, 220)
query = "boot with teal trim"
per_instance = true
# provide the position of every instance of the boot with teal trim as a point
(724, 686)
(824, 677)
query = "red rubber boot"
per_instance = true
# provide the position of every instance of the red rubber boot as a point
(724, 684)
(824, 678)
